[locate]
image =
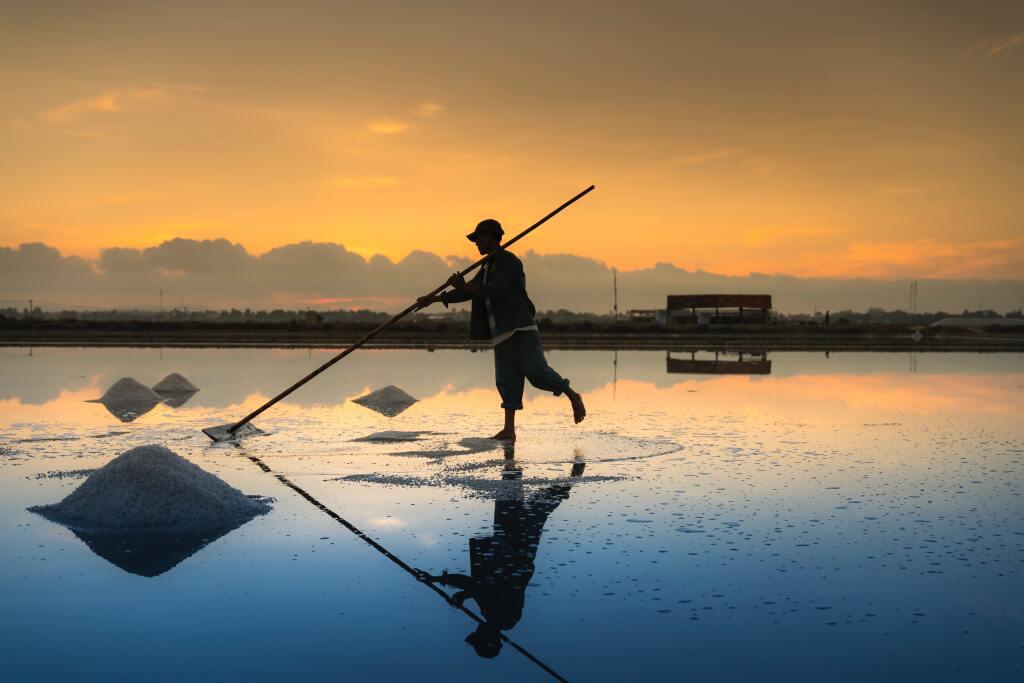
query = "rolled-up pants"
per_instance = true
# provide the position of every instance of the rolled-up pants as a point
(520, 358)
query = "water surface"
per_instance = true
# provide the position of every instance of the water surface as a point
(795, 516)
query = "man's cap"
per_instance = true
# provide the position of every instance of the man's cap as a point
(489, 225)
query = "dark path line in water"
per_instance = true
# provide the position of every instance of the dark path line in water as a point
(397, 560)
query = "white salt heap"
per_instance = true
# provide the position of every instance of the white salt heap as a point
(174, 384)
(129, 390)
(392, 436)
(128, 398)
(150, 488)
(389, 401)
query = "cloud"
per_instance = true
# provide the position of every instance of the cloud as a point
(67, 118)
(1013, 41)
(428, 110)
(900, 190)
(704, 157)
(392, 126)
(362, 181)
(934, 257)
(106, 103)
(889, 260)
(387, 126)
(222, 274)
(762, 237)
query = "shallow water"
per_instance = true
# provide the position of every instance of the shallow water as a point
(848, 517)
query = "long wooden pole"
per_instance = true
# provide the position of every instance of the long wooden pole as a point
(383, 326)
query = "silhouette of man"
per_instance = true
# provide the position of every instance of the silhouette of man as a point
(503, 314)
(502, 564)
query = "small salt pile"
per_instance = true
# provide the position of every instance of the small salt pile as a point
(391, 437)
(174, 384)
(152, 488)
(389, 401)
(175, 390)
(128, 398)
(127, 390)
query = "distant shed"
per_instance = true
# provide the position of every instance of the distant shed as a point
(719, 308)
(722, 364)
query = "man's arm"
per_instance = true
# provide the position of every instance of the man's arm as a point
(453, 297)
(500, 279)
(460, 581)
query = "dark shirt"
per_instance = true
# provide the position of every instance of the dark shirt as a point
(505, 288)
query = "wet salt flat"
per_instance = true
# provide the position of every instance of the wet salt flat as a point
(850, 517)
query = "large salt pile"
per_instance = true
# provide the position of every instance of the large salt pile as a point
(389, 401)
(128, 398)
(152, 488)
(175, 390)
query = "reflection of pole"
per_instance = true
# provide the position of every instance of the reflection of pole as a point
(615, 372)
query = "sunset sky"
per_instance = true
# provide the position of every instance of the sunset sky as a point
(841, 139)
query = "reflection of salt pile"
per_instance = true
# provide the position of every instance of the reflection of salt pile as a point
(389, 401)
(128, 398)
(150, 487)
(175, 390)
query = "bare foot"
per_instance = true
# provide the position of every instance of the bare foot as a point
(579, 411)
(505, 435)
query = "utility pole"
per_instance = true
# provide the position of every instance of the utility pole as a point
(30, 309)
(615, 290)
(161, 303)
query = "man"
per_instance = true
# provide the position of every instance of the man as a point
(503, 314)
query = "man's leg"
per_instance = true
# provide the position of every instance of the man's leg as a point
(510, 382)
(508, 432)
(542, 376)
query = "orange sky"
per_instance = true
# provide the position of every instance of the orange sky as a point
(811, 138)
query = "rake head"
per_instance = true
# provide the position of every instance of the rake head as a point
(224, 433)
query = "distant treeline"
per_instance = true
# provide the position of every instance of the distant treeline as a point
(364, 317)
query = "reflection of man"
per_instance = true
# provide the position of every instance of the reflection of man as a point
(502, 564)
(503, 314)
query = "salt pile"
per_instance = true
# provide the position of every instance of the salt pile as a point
(128, 398)
(175, 390)
(126, 390)
(152, 488)
(389, 401)
(174, 384)
(391, 437)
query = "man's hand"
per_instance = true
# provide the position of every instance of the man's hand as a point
(425, 301)
(457, 281)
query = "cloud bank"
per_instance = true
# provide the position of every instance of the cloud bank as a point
(221, 274)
